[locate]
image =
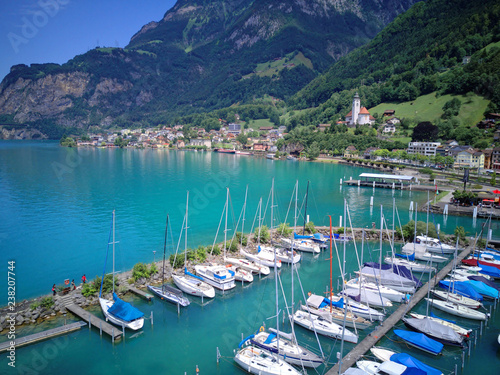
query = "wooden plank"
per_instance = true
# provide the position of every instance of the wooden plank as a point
(26, 340)
(140, 293)
(373, 337)
(95, 321)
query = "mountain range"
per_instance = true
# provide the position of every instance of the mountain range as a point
(202, 55)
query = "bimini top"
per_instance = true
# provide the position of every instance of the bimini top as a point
(387, 176)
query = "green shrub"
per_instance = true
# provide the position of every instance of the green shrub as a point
(216, 250)
(310, 228)
(141, 270)
(232, 246)
(265, 237)
(47, 302)
(34, 305)
(201, 253)
(340, 230)
(179, 261)
(284, 230)
(241, 238)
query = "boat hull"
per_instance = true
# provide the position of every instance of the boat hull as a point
(170, 297)
(458, 310)
(193, 286)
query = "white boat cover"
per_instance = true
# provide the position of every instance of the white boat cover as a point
(387, 277)
(367, 296)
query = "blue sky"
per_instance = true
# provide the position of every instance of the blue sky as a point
(43, 31)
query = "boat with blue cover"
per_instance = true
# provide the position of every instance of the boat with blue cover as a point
(403, 359)
(459, 287)
(435, 330)
(420, 341)
(485, 290)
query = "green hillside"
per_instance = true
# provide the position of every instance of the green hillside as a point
(430, 108)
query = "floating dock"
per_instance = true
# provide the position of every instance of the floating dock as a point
(98, 323)
(140, 293)
(359, 350)
(44, 335)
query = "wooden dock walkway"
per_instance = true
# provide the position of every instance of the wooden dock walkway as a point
(98, 323)
(359, 350)
(140, 293)
(44, 335)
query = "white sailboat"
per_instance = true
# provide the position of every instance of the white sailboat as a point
(454, 309)
(164, 291)
(187, 282)
(413, 266)
(119, 312)
(262, 362)
(457, 298)
(433, 245)
(420, 252)
(390, 294)
(460, 330)
(306, 246)
(323, 326)
(250, 266)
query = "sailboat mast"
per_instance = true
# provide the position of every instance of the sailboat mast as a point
(164, 249)
(427, 226)
(243, 222)
(260, 220)
(225, 225)
(331, 265)
(343, 289)
(113, 251)
(305, 209)
(275, 274)
(381, 233)
(292, 248)
(186, 233)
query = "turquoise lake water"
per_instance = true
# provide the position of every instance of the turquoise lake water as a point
(55, 215)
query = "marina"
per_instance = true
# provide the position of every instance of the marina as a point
(239, 311)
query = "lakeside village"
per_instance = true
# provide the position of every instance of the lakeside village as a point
(271, 141)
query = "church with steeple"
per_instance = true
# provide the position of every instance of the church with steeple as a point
(358, 115)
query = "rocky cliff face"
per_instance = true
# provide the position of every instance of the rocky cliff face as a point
(198, 57)
(20, 133)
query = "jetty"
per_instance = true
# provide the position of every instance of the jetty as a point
(359, 350)
(44, 335)
(98, 323)
(140, 293)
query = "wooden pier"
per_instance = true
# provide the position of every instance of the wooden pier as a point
(359, 350)
(140, 293)
(44, 335)
(98, 323)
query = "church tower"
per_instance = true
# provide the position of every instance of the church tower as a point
(356, 106)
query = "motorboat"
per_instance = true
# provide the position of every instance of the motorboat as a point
(216, 275)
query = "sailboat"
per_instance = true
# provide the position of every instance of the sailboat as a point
(165, 291)
(460, 330)
(420, 341)
(117, 311)
(188, 282)
(435, 330)
(403, 359)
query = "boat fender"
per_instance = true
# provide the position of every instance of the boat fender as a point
(262, 329)
(309, 294)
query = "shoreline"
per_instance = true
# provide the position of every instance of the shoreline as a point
(25, 315)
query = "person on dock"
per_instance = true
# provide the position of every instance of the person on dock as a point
(84, 279)
(73, 286)
(54, 289)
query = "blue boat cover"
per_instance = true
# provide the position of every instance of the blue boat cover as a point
(406, 256)
(326, 302)
(245, 340)
(124, 310)
(461, 288)
(186, 272)
(485, 280)
(490, 270)
(300, 237)
(270, 338)
(409, 361)
(413, 371)
(317, 236)
(483, 289)
(438, 317)
(420, 340)
(398, 270)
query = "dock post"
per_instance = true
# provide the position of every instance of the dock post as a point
(374, 184)
(456, 369)
(123, 330)
(411, 206)
(474, 213)
(152, 320)
(218, 354)
(340, 181)
(340, 222)
(113, 335)
(489, 234)
(438, 227)
(393, 186)
(89, 321)
(100, 328)
(410, 187)
(463, 359)
(202, 299)
(359, 183)
(371, 201)
(350, 178)
(475, 340)
(178, 310)
(481, 329)
(469, 350)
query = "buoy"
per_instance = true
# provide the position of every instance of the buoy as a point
(309, 294)
(262, 329)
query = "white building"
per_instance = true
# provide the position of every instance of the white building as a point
(423, 148)
(358, 115)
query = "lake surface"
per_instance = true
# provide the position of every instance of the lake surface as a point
(55, 216)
